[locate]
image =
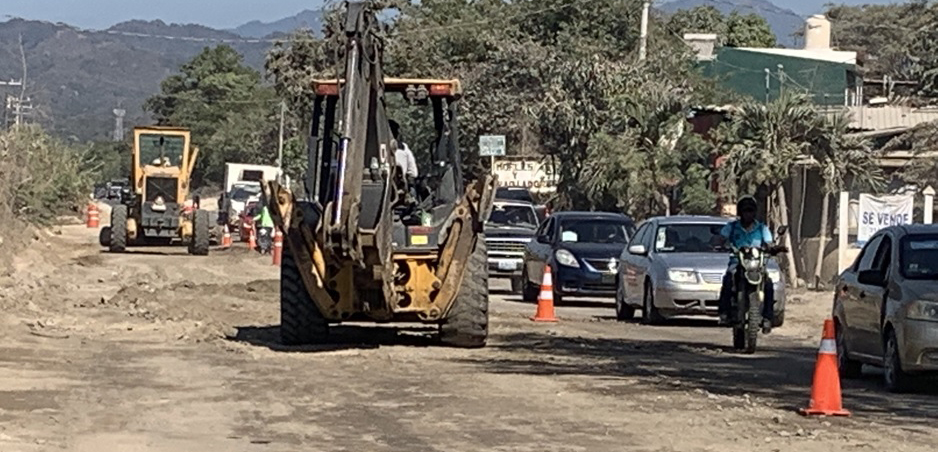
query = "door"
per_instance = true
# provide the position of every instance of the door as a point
(870, 302)
(633, 265)
(537, 253)
(850, 296)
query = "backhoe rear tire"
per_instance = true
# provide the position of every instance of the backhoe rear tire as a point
(467, 324)
(118, 242)
(201, 233)
(301, 323)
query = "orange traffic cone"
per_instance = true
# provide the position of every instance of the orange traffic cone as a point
(252, 242)
(93, 220)
(226, 239)
(278, 247)
(545, 301)
(825, 391)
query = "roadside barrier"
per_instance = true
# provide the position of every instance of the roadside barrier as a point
(93, 219)
(278, 246)
(545, 301)
(825, 390)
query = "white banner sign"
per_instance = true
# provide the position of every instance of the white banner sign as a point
(878, 212)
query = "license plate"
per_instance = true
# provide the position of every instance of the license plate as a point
(609, 279)
(507, 265)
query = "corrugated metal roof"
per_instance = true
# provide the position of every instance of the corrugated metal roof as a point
(889, 117)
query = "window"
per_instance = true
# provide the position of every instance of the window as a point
(918, 257)
(513, 215)
(687, 238)
(883, 254)
(545, 229)
(865, 259)
(638, 237)
(161, 150)
(594, 231)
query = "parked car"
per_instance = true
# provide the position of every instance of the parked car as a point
(234, 203)
(672, 268)
(509, 229)
(886, 306)
(582, 250)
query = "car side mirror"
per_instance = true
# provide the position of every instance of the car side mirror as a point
(543, 239)
(782, 230)
(638, 250)
(872, 278)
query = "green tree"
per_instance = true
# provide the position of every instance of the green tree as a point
(748, 30)
(222, 101)
(699, 19)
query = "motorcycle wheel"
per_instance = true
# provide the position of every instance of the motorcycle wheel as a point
(753, 324)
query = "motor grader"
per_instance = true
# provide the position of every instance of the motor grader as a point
(153, 210)
(363, 243)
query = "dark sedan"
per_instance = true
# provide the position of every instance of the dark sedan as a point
(582, 250)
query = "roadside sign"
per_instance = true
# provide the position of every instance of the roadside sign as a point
(491, 145)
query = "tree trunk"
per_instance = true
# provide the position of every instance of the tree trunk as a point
(822, 244)
(783, 217)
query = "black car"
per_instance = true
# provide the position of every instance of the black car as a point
(582, 250)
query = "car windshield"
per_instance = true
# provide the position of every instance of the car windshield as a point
(514, 194)
(594, 231)
(516, 216)
(918, 258)
(688, 238)
(243, 193)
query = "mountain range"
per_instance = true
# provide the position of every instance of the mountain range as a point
(785, 23)
(77, 77)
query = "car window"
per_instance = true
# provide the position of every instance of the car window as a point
(594, 231)
(513, 215)
(918, 256)
(546, 227)
(883, 254)
(687, 238)
(637, 237)
(865, 259)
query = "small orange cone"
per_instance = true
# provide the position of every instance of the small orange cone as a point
(278, 247)
(825, 391)
(93, 220)
(226, 239)
(252, 242)
(545, 301)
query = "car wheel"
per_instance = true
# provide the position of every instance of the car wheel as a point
(779, 319)
(624, 312)
(517, 285)
(530, 292)
(895, 379)
(847, 367)
(650, 315)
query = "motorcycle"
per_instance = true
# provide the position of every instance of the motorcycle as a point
(748, 279)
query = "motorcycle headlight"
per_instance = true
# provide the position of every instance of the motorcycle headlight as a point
(566, 259)
(682, 276)
(774, 275)
(924, 310)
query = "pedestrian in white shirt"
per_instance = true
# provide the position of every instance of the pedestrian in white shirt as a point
(403, 155)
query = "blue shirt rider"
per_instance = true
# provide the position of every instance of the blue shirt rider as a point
(746, 231)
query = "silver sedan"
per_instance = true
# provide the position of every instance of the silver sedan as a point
(670, 268)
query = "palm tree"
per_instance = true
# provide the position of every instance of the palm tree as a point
(842, 158)
(762, 144)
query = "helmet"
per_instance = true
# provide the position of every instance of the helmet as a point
(746, 203)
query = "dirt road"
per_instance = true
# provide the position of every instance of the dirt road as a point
(156, 350)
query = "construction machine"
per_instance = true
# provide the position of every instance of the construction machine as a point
(154, 208)
(364, 243)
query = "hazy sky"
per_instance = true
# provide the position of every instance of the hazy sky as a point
(100, 14)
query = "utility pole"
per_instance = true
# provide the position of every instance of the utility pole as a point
(9, 101)
(283, 112)
(781, 80)
(643, 43)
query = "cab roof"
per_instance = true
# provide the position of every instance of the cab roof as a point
(434, 87)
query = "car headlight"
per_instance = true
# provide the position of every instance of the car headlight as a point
(566, 259)
(774, 275)
(682, 276)
(924, 310)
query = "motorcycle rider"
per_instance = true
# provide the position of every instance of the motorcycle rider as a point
(264, 222)
(746, 231)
